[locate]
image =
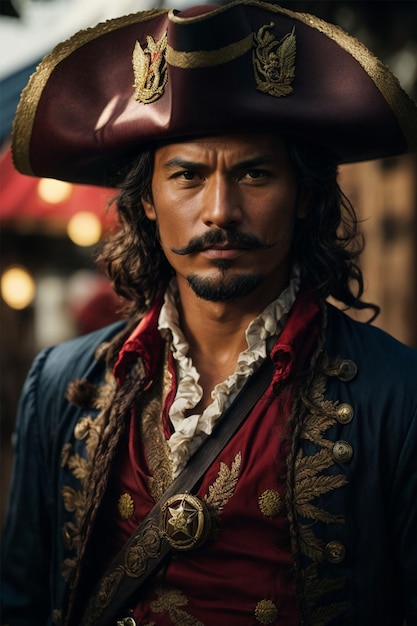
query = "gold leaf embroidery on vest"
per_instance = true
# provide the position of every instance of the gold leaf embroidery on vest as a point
(170, 600)
(150, 70)
(223, 488)
(274, 62)
(221, 491)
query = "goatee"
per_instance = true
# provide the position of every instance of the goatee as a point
(224, 289)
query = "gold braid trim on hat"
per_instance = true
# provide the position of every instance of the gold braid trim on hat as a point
(209, 58)
(31, 95)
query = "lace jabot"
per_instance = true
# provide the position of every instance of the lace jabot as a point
(190, 432)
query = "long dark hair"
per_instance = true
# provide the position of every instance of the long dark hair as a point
(327, 243)
(132, 257)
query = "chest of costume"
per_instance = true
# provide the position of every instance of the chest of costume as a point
(245, 565)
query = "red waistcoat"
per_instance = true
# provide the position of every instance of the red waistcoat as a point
(243, 574)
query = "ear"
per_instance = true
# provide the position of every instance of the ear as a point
(148, 207)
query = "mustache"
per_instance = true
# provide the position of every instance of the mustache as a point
(233, 238)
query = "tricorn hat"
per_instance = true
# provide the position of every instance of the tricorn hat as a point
(108, 92)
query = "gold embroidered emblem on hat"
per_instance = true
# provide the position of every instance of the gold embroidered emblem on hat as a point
(274, 62)
(150, 70)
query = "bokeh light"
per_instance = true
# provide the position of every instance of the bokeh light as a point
(17, 287)
(54, 191)
(84, 228)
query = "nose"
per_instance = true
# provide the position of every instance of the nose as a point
(222, 205)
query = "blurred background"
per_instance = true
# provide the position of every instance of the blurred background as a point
(50, 289)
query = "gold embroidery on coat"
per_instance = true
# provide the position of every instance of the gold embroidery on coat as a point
(310, 483)
(89, 431)
(150, 70)
(317, 588)
(126, 506)
(270, 503)
(274, 62)
(170, 600)
(266, 612)
(57, 617)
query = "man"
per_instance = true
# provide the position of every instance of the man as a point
(238, 451)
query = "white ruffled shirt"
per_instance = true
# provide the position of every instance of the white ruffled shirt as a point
(190, 432)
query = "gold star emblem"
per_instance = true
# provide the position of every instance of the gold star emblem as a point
(181, 519)
(185, 521)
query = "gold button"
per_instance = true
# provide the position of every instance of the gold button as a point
(334, 552)
(344, 413)
(342, 451)
(347, 370)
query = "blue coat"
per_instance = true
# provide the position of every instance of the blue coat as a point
(358, 549)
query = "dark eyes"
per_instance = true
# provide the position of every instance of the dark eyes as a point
(188, 175)
(255, 174)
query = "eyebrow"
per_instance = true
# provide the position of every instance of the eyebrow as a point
(257, 161)
(263, 159)
(183, 164)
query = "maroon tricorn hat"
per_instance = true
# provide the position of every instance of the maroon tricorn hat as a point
(108, 92)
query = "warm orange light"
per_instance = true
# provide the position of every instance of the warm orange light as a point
(54, 191)
(17, 287)
(84, 228)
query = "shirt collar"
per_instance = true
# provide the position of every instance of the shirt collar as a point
(265, 326)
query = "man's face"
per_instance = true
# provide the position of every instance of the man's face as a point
(225, 208)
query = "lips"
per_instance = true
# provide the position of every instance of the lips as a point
(222, 252)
